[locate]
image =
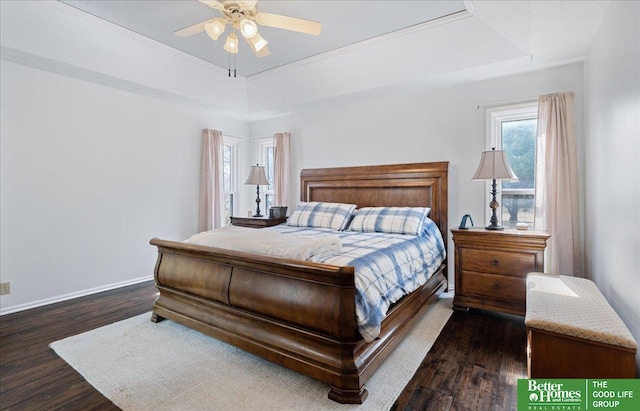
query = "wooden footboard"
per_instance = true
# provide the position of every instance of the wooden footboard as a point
(296, 314)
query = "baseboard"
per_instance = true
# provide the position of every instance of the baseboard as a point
(70, 296)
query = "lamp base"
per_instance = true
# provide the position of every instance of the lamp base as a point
(494, 227)
(258, 212)
(494, 206)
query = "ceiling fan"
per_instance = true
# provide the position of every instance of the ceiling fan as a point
(244, 17)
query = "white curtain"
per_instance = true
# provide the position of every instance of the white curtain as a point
(281, 169)
(556, 191)
(211, 211)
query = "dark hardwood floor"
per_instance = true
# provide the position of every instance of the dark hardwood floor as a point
(474, 364)
(32, 376)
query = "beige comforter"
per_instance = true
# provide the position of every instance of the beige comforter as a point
(266, 242)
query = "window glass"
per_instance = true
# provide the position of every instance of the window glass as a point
(228, 177)
(269, 200)
(228, 208)
(269, 165)
(267, 154)
(519, 143)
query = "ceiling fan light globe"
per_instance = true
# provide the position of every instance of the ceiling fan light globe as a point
(248, 28)
(231, 46)
(214, 29)
(258, 42)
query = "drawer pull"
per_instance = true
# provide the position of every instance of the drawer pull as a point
(496, 285)
(496, 261)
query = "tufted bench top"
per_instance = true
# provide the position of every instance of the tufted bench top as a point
(574, 307)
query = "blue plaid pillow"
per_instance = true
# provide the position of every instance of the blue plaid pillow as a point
(391, 220)
(321, 215)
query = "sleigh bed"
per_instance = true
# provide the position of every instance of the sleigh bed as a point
(301, 314)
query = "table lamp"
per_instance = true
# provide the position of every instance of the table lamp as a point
(494, 166)
(257, 177)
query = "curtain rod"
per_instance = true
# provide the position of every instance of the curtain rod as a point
(245, 137)
(503, 102)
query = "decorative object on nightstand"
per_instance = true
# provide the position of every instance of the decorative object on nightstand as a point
(463, 223)
(257, 177)
(494, 166)
(491, 267)
(277, 212)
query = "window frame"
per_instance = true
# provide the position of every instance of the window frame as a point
(233, 189)
(494, 118)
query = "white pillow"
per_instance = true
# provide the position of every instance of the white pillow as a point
(391, 220)
(322, 215)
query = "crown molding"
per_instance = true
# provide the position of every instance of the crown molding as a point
(79, 73)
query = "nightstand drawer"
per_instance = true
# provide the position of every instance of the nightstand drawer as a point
(498, 262)
(494, 286)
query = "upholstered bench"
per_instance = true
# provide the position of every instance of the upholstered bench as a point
(573, 332)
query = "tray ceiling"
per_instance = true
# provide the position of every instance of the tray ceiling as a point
(344, 23)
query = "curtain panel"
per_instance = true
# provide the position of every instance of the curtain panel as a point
(556, 189)
(281, 169)
(211, 210)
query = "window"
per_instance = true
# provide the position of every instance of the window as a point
(513, 129)
(229, 178)
(267, 155)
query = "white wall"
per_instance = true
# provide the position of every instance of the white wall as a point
(89, 174)
(613, 155)
(417, 126)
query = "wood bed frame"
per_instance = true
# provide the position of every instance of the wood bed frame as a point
(300, 314)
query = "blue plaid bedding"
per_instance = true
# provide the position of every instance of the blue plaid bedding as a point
(387, 267)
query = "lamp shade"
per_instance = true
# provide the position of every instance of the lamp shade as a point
(494, 165)
(257, 176)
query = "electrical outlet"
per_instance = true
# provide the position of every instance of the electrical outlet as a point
(5, 288)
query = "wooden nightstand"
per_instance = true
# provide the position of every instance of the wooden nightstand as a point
(491, 267)
(257, 222)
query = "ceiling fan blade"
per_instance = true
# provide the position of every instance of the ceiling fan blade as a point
(195, 29)
(289, 23)
(264, 52)
(213, 4)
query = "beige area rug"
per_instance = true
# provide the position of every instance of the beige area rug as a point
(140, 365)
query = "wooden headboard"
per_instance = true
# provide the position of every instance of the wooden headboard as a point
(394, 185)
